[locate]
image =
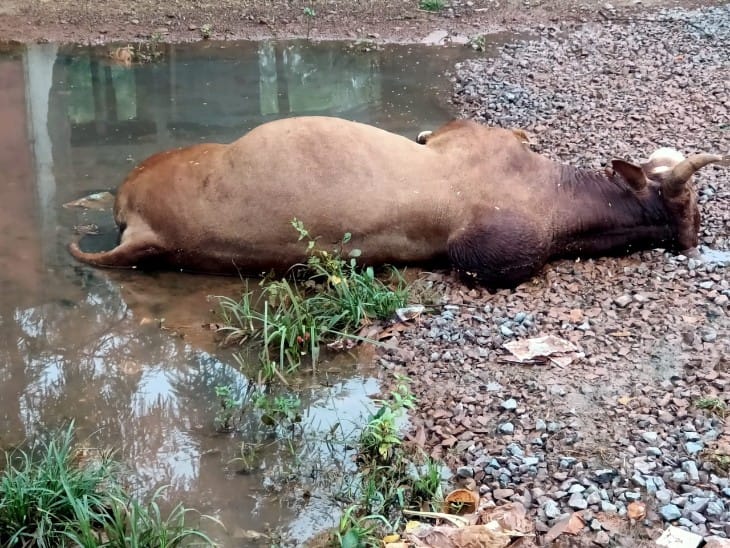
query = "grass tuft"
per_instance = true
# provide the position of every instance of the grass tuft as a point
(52, 496)
(333, 300)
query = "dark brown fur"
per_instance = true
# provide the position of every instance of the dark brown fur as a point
(475, 194)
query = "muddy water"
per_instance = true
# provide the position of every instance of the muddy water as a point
(126, 354)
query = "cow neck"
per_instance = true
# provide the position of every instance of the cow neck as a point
(598, 215)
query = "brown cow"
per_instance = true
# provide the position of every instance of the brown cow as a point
(473, 194)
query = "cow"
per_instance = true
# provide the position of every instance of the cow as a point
(474, 196)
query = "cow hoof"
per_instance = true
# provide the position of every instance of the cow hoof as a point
(422, 138)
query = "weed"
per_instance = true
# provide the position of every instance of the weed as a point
(148, 51)
(54, 497)
(713, 405)
(206, 31)
(224, 418)
(279, 410)
(478, 42)
(309, 14)
(431, 5)
(292, 319)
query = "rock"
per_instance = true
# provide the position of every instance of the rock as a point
(674, 537)
(670, 512)
(465, 472)
(509, 405)
(623, 301)
(650, 437)
(551, 509)
(507, 428)
(502, 494)
(716, 542)
(602, 538)
(577, 502)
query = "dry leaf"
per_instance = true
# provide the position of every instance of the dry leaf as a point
(636, 510)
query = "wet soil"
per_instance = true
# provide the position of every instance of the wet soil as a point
(382, 20)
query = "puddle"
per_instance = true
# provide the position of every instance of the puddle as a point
(85, 344)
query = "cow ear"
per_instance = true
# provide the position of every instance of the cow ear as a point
(631, 173)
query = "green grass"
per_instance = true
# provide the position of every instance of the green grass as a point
(431, 5)
(54, 497)
(713, 405)
(330, 302)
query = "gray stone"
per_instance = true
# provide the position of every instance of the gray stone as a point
(515, 450)
(679, 477)
(650, 437)
(465, 472)
(608, 507)
(694, 447)
(691, 468)
(507, 428)
(670, 512)
(663, 496)
(509, 405)
(593, 498)
(551, 509)
(715, 508)
(577, 502)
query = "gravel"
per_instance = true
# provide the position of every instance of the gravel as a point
(621, 423)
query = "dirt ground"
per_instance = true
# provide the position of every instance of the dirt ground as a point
(101, 21)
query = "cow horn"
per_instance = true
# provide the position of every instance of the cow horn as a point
(674, 182)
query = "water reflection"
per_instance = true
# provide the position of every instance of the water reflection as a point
(85, 344)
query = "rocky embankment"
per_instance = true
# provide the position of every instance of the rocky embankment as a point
(639, 414)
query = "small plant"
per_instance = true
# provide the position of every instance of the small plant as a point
(357, 532)
(279, 410)
(248, 457)
(478, 42)
(431, 5)
(148, 51)
(426, 487)
(224, 418)
(206, 31)
(713, 405)
(309, 14)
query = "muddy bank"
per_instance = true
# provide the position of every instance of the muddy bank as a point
(380, 20)
(627, 420)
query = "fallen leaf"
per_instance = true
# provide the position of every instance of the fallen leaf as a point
(636, 510)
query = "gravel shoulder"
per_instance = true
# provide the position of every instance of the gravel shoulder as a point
(639, 416)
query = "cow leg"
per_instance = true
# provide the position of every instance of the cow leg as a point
(503, 251)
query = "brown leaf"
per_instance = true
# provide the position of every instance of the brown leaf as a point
(636, 510)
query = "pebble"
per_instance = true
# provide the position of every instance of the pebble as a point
(507, 428)
(670, 512)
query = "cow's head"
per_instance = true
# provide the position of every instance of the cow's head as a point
(668, 174)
